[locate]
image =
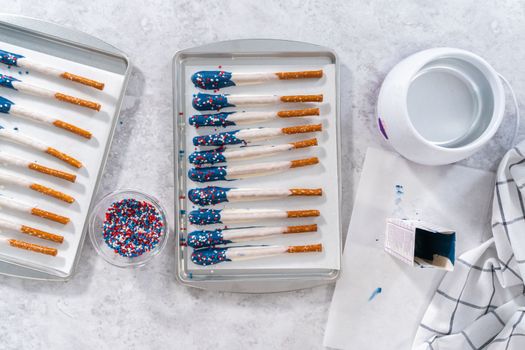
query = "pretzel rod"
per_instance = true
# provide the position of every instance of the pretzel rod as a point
(240, 118)
(9, 107)
(13, 59)
(244, 136)
(209, 102)
(218, 79)
(204, 238)
(222, 155)
(221, 173)
(17, 180)
(32, 247)
(215, 216)
(35, 144)
(211, 256)
(31, 209)
(9, 225)
(16, 161)
(214, 195)
(18, 85)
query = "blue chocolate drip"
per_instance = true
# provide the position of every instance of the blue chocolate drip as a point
(5, 105)
(207, 157)
(11, 59)
(205, 217)
(209, 256)
(212, 79)
(207, 102)
(217, 119)
(7, 81)
(199, 239)
(220, 139)
(216, 173)
(209, 195)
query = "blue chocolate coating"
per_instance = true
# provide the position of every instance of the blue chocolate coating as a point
(9, 58)
(207, 157)
(216, 173)
(208, 102)
(208, 195)
(212, 79)
(7, 81)
(199, 239)
(205, 216)
(5, 105)
(217, 119)
(220, 139)
(209, 256)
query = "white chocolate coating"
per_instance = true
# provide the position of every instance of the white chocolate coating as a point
(242, 234)
(240, 194)
(6, 202)
(7, 178)
(30, 114)
(241, 215)
(253, 100)
(22, 139)
(257, 168)
(16, 161)
(258, 134)
(252, 117)
(254, 151)
(243, 253)
(38, 67)
(9, 225)
(33, 90)
(252, 78)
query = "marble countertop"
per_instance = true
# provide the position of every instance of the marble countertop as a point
(105, 307)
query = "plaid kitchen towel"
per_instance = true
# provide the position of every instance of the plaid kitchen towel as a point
(481, 304)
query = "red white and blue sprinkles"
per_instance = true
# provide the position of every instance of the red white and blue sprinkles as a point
(132, 227)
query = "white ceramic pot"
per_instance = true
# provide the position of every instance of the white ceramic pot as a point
(440, 105)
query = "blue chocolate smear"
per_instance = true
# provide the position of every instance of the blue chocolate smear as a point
(9, 58)
(212, 79)
(220, 139)
(205, 217)
(208, 174)
(5, 105)
(209, 195)
(209, 256)
(199, 239)
(207, 157)
(208, 102)
(217, 119)
(7, 81)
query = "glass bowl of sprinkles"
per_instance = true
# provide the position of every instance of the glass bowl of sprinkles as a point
(128, 228)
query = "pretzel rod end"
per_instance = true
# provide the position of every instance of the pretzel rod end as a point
(33, 247)
(301, 228)
(305, 248)
(64, 157)
(78, 101)
(299, 113)
(52, 172)
(302, 213)
(52, 193)
(82, 80)
(301, 129)
(302, 98)
(72, 128)
(41, 234)
(307, 74)
(303, 162)
(306, 192)
(304, 143)
(50, 216)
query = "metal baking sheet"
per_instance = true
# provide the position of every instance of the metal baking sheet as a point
(53, 44)
(246, 55)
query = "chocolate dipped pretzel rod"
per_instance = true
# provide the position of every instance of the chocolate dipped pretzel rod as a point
(7, 178)
(9, 107)
(244, 136)
(240, 118)
(221, 173)
(204, 238)
(10, 225)
(212, 216)
(32, 209)
(208, 102)
(18, 85)
(20, 162)
(211, 256)
(36, 248)
(38, 145)
(218, 79)
(222, 155)
(214, 195)
(13, 59)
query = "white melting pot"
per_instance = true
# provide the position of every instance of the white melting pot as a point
(440, 105)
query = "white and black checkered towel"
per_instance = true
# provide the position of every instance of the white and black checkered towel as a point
(481, 304)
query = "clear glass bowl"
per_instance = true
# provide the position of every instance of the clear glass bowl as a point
(96, 221)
